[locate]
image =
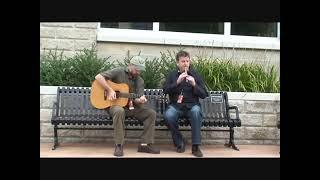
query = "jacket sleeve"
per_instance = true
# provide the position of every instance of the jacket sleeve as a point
(199, 89)
(170, 85)
(111, 74)
(140, 86)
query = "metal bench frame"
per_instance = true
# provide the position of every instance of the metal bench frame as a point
(72, 107)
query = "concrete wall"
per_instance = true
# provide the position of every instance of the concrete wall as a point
(259, 113)
(150, 51)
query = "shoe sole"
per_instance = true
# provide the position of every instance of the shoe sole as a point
(142, 150)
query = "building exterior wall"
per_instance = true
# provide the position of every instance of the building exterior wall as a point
(117, 51)
(72, 37)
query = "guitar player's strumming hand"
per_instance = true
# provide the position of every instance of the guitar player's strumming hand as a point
(111, 94)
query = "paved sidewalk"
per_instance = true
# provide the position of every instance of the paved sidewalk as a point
(101, 150)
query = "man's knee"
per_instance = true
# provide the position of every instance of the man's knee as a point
(170, 115)
(195, 110)
(117, 111)
(151, 114)
(196, 115)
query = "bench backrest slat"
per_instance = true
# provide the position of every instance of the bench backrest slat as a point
(76, 102)
(214, 106)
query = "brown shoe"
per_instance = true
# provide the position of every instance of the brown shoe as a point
(148, 149)
(118, 151)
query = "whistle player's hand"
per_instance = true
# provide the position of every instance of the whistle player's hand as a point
(191, 80)
(181, 77)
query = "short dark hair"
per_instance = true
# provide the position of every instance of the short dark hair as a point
(182, 54)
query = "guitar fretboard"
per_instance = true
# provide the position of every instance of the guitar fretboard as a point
(128, 95)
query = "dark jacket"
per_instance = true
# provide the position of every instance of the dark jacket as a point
(191, 94)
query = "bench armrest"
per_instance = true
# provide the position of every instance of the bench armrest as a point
(237, 111)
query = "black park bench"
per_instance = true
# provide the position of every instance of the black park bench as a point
(73, 108)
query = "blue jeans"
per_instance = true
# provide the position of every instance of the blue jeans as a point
(172, 115)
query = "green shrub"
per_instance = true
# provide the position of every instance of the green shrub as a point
(223, 75)
(168, 62)
(152, 76)
(79, 70)
(54, 69)
(218, 74)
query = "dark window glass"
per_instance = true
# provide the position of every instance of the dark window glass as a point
(128, 25)
(208, 28)
(254, 29)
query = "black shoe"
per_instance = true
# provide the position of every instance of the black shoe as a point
(148, 149)
(182, 147)
(196, 151)
(118, 151)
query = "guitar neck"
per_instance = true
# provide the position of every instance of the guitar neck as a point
(128, 95)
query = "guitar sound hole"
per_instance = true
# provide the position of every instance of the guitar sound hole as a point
(117, 94)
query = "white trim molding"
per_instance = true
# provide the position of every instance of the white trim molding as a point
(189, 39)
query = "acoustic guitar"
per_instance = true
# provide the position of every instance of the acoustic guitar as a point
(99, 99)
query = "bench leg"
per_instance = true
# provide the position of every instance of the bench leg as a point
(56, 143)
(231, 140)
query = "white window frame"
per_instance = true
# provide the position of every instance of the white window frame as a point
(191, 39)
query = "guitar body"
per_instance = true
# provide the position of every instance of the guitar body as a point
(98, 95)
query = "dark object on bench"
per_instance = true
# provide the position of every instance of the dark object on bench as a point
(73, 108)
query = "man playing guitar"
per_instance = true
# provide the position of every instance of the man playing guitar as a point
(134, 107)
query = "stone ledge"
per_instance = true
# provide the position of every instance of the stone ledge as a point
(231, 95)
(254, 96)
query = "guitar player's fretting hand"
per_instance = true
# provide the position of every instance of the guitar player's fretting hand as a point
(141, 100)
